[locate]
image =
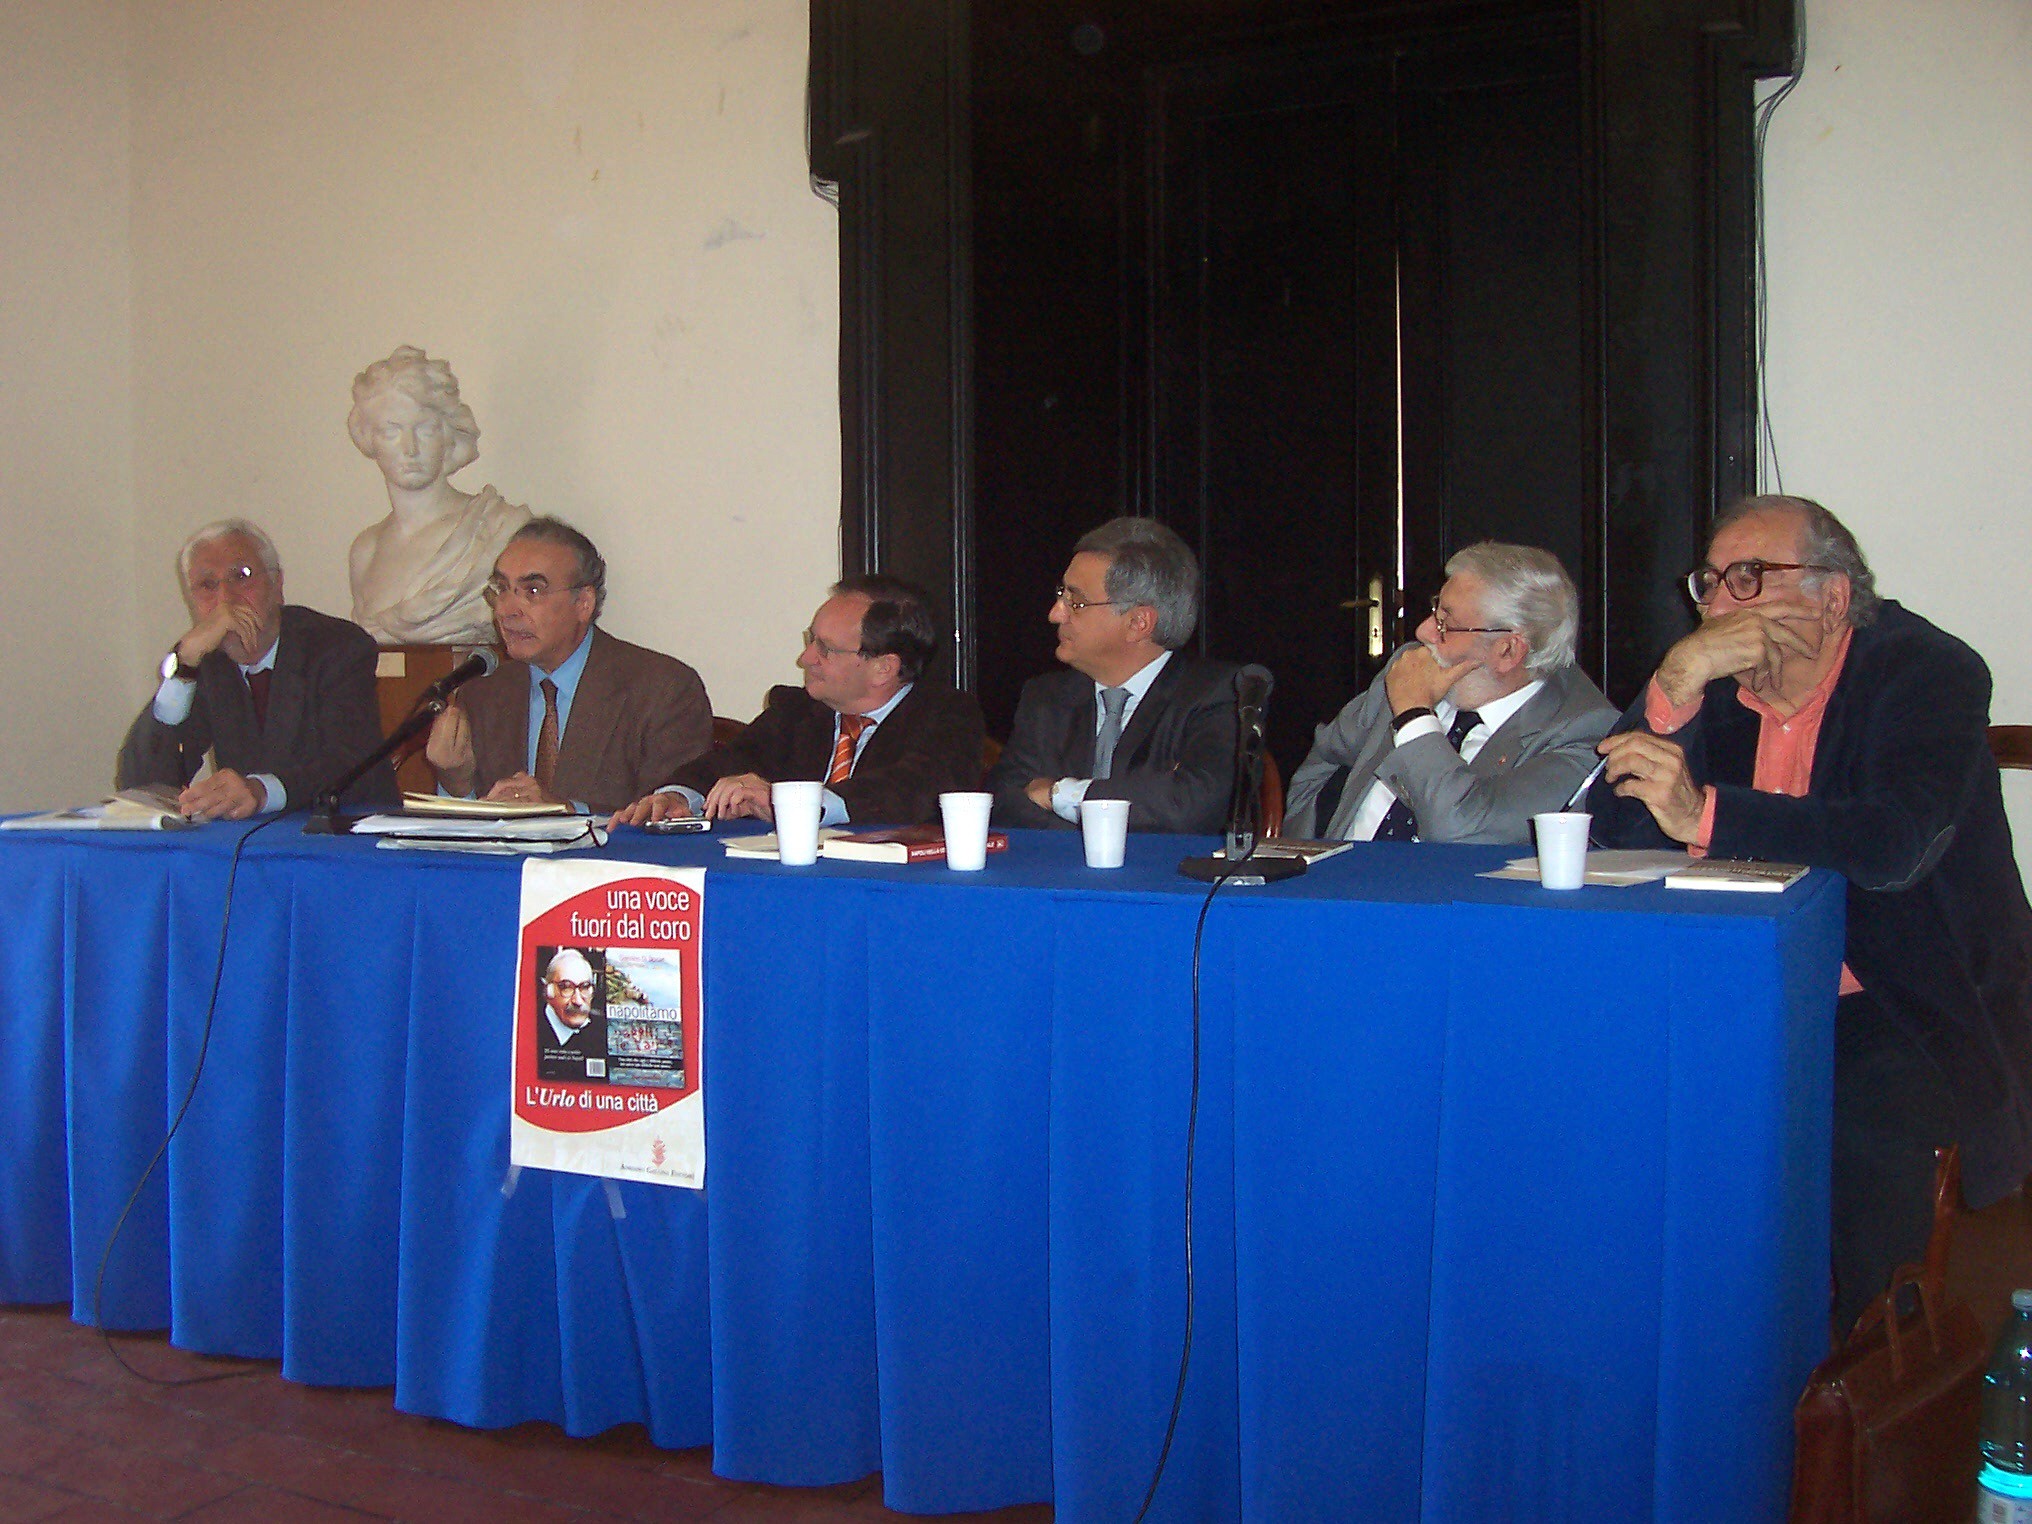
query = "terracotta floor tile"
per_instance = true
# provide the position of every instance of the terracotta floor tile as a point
(26, 1502)
(94, 1511)
(266, 1505)
(134, 1478)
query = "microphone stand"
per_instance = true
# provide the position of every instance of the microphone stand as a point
(324, 818)
(1238, 864)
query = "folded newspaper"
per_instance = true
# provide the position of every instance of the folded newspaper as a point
(150, 808)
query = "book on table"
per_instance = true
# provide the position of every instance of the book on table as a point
(1294, 846)
(1739, 876)
(449, 807)
(904, 844)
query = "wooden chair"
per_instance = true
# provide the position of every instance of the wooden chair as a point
(2012, 745)
(1270, 800)
(725, 730)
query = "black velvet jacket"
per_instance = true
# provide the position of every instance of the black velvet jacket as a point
(1906, 803)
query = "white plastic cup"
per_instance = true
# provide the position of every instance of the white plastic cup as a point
(1104, 823)
(797, 807)
(966, 830)
(1562, 848)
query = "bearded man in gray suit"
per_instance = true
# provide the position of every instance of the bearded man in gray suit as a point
(1480, 724)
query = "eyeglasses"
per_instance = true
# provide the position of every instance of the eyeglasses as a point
(572, 986)
(1439, 624)
(1743, 579)
(233, 576)
(1074, 603)
(826, 648)
(530, 590)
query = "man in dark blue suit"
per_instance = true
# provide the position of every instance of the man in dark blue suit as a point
(1132, 717)
(1808, 720)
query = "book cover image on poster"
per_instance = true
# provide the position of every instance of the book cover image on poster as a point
(571, 1019)
(645, 1017)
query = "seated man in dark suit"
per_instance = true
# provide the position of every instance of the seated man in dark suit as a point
(282, 696)
(1133, 718)
(574, 716)
(1479, 724)
(1808, 720)
(884, 739)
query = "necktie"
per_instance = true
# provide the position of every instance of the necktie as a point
(1113, 702)
(546, 738)
(851, 726)
(257, 690)
(1399, 825)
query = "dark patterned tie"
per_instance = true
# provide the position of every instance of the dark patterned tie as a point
(257, 690)
(1399, 825)
(546, 738)
(1113, 702)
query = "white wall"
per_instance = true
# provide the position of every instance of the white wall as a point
(216, 214)
(66, 398)
(1899, 183)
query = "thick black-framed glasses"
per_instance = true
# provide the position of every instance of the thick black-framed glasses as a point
(1743, 579)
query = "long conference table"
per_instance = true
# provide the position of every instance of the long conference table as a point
(1507, 1204)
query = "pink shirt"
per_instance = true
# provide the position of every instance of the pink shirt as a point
(1785, 744)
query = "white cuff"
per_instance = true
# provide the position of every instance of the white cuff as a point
(1066, 796)
(173, 700)
(1424, 725)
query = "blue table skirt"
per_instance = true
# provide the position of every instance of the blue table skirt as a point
(1507, 1204)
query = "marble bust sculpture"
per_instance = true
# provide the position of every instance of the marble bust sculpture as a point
(418, 574)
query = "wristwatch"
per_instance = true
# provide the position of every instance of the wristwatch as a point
(172, 666)
(1397, 721)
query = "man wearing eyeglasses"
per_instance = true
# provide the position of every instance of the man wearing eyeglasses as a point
(574, 716)
(1480, 724)
(1133, 717)
(884, 736)
(571, 1031)
(1808, 720)
(280, 696)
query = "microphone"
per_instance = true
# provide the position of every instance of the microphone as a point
(1252, 695)
(479, 664)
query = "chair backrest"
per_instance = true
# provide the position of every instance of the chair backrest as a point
(725, 730)
(1270, 800)
(2012, 745)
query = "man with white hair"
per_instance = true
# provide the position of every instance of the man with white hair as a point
(1480, 724)
(281, 697)
(571, 1034)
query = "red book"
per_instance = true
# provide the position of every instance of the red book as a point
(906, 844)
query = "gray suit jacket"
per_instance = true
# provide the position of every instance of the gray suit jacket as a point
(1532, 764)
(637, 717)
(323, 717)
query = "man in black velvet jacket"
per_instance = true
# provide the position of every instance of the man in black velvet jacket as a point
(1808, 720)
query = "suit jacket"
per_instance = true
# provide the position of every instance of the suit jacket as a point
(929, 745)
(1905, 802)
(567, 1060)
(637, 716)
(1533, 763)
(1175, 762)
(323, 717)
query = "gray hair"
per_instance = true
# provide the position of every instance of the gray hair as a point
(592, 570)
(428, 383)
(1149, 564)
(1525, 589)
(1824, 540)
(218, 530)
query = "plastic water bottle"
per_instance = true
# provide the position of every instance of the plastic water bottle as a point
(2004, 1485)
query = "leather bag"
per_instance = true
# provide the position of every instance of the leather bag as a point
(1886, 1429)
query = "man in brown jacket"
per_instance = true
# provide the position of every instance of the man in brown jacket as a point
(574, 715)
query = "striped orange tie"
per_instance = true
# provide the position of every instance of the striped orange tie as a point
(851, 726)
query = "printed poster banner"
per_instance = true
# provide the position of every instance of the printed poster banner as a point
(608, 1022)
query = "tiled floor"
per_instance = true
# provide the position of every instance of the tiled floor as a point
(81, 1440)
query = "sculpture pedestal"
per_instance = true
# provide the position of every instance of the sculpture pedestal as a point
(400, 677)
